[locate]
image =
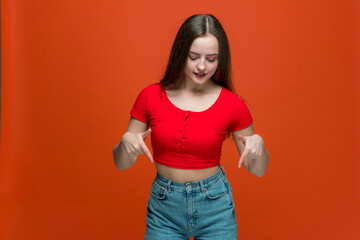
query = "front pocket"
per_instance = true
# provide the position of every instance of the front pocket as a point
(217, 190)
(157, 191)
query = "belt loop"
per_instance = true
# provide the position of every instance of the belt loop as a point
(202, 188)
(222, 169)
(169, 186)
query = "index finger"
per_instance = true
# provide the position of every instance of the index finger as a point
(243, 156)
(147, 152)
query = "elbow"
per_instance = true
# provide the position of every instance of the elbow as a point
(118, 165)
(260, 174)
(120, 168)
(117, 161)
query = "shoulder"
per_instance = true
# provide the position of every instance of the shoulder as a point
(232, 98)
(151, 89)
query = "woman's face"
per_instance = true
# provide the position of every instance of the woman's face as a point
(202, 59)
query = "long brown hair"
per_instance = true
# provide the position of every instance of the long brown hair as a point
(194, 27)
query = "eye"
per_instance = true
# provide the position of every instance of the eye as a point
(193, 58)
(211, 59)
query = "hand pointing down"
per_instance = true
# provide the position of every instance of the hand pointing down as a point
(134, 144)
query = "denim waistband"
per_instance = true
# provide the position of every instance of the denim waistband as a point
(171, 185)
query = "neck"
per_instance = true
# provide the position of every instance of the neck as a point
(197, 88)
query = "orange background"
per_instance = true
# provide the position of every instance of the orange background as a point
(72, 69)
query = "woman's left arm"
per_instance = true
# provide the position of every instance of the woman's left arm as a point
(251, 148)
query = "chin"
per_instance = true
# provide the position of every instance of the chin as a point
(200, 81)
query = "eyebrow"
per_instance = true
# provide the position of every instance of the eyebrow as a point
(212, 54)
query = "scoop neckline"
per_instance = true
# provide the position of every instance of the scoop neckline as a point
(174, 107)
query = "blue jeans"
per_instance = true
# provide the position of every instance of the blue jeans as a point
(203, 209)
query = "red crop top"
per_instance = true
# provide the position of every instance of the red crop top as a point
(186, 139)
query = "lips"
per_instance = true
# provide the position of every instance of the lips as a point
(200, 75)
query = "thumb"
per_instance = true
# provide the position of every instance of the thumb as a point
(146, 133)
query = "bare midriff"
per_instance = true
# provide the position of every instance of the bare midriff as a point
(185, 175)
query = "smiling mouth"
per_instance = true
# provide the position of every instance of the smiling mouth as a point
(200, 75)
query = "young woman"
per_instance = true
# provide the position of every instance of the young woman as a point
(189, 114)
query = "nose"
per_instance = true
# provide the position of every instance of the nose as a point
(201, 66)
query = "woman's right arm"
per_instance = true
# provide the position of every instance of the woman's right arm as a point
(132, 145)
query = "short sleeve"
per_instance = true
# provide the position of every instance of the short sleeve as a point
(241, 115)
(140, 107)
